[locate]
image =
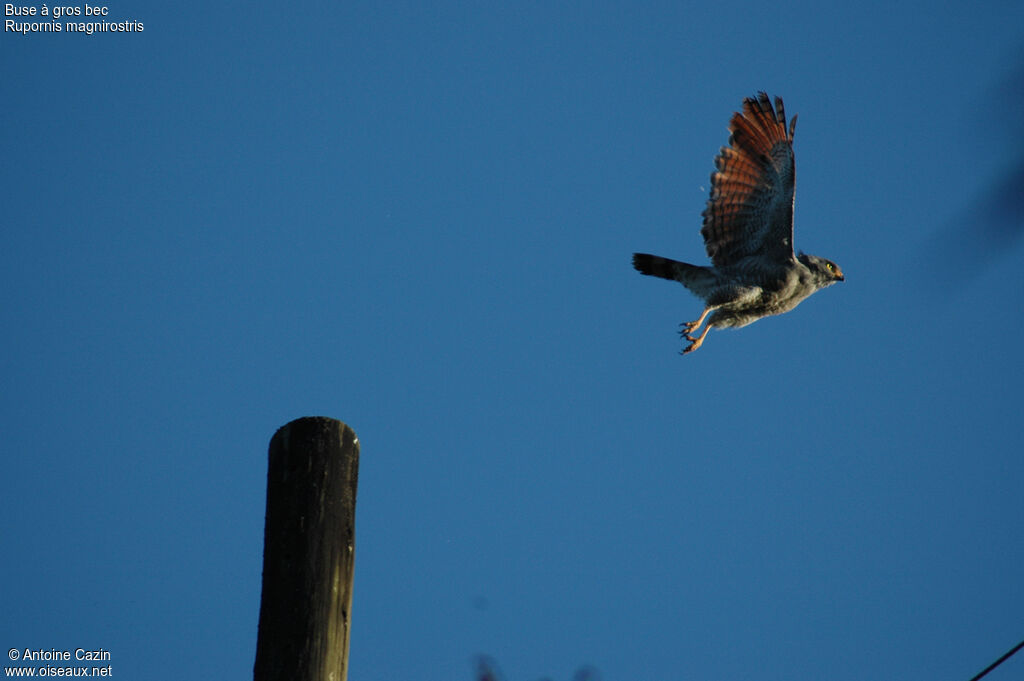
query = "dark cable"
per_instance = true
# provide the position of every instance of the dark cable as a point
(998, 662)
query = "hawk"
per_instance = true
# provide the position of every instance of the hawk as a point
(748, 230)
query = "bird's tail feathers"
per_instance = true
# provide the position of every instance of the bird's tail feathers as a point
(693, 277)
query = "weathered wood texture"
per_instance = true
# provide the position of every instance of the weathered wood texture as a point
(308, 552)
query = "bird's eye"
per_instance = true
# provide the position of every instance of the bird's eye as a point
(830, 266)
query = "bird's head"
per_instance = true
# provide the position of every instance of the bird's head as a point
(824, 270)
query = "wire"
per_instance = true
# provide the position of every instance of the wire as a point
(998, 662)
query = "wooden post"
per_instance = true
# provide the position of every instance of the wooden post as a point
(308, 552)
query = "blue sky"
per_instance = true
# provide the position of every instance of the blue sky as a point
(419, 220)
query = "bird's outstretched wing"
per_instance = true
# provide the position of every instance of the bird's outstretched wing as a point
(750, 210)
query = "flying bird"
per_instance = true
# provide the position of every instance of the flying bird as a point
(748, 230)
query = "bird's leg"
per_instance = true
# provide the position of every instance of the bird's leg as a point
(690, 327)
(696, 342)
